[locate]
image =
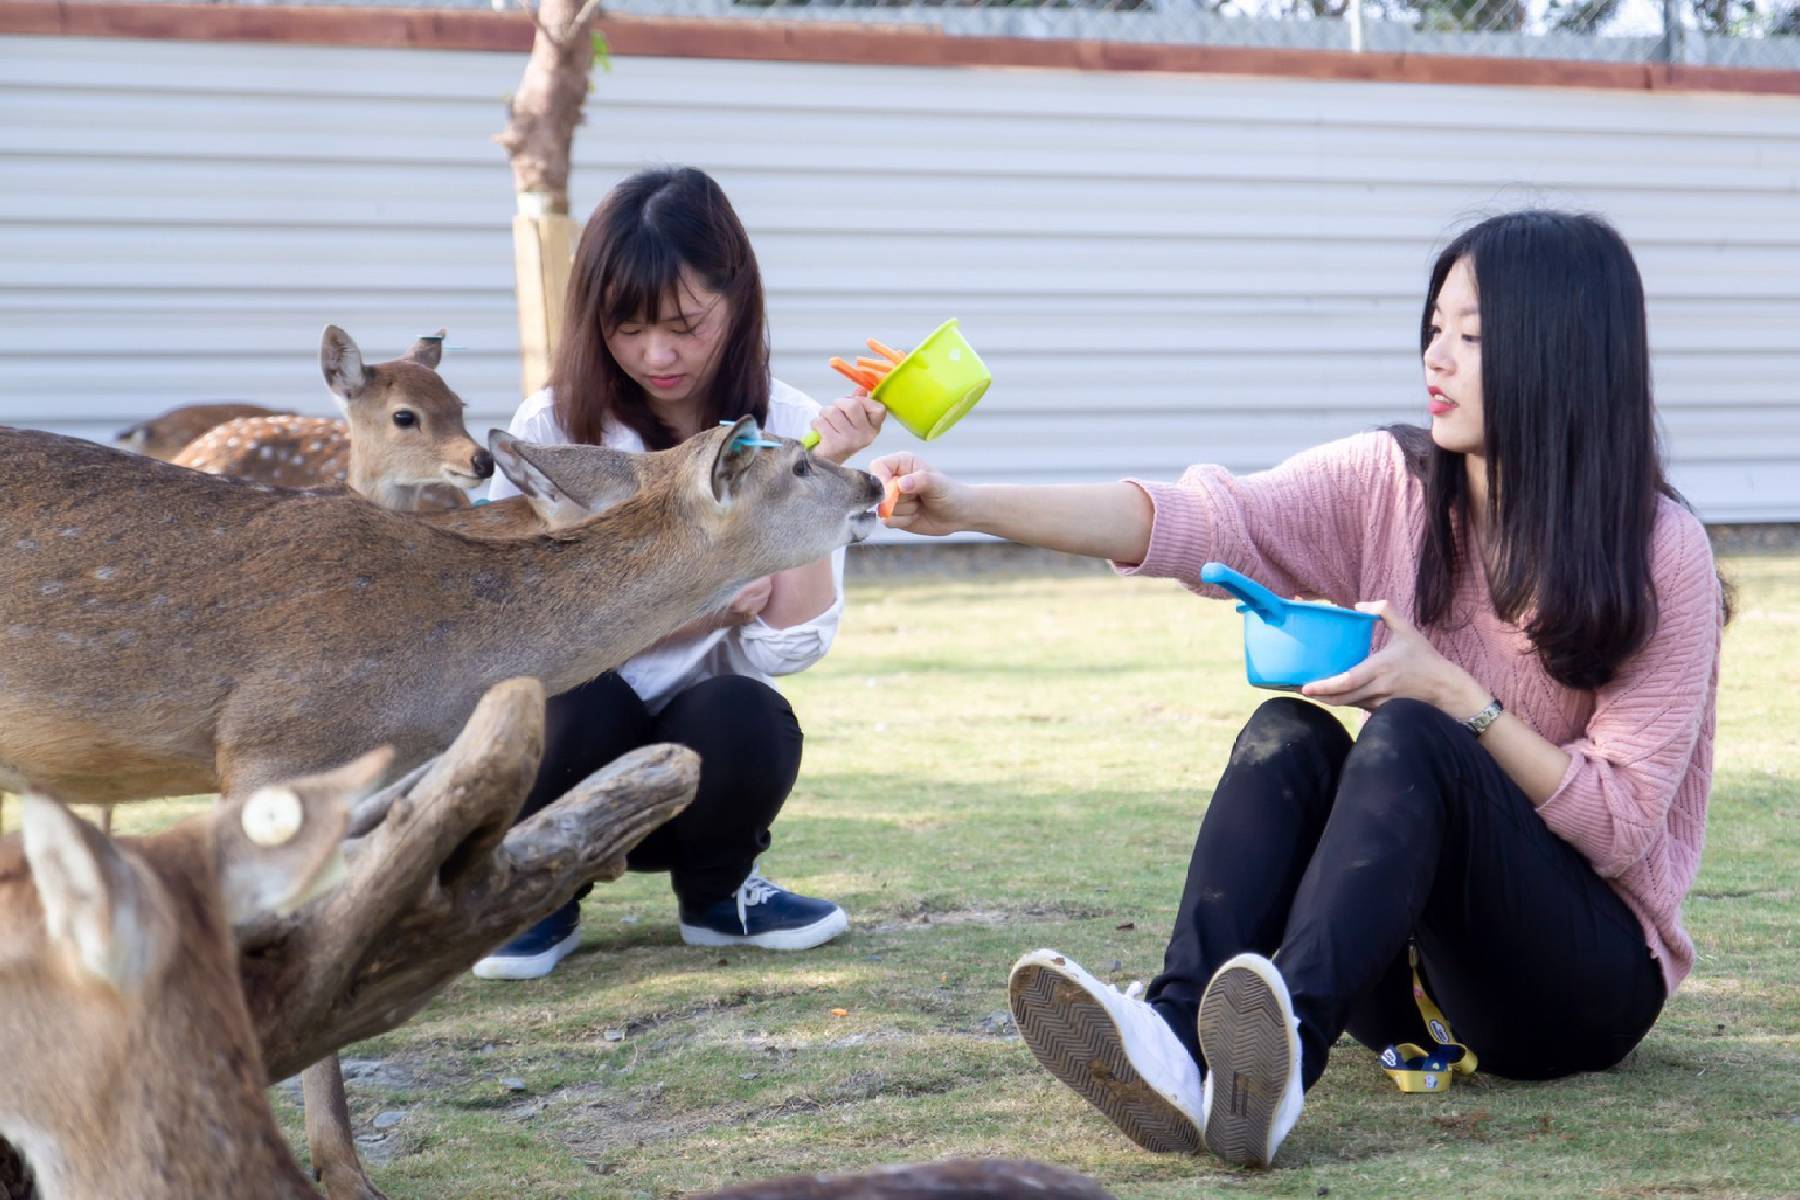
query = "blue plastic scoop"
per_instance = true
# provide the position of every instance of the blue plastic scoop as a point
(1288, 643)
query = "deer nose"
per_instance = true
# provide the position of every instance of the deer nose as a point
(871, 486)
(482, 463)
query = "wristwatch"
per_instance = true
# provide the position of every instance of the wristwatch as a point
(1477, 724)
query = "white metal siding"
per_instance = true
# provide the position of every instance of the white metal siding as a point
(1160, 269)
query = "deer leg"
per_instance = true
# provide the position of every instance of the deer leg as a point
(333, 1148)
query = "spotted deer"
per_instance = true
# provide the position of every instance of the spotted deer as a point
(168, 434)
(166, 632)
(401, 444)
(132, 1065)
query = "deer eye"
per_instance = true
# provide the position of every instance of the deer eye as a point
(803, 466)
(405, 418)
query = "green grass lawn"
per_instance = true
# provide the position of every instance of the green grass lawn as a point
(999, 764)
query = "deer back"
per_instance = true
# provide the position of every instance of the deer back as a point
(165, 631)
(167, 434)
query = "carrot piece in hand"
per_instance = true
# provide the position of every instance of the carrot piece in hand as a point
(887, 352)
(890, 497)
(862, 379)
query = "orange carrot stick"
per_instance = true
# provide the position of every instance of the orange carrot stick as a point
(890, 497)
(880, 366)
(861, 378)
(887, 352)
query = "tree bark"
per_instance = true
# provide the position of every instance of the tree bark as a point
(445, 877)
(543, 113)
(538, 139)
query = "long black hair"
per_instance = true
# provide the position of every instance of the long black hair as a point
(1574, 463)
(628, 268)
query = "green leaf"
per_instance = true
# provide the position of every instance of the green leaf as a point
(602, 52)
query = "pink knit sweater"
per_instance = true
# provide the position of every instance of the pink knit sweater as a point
(1341, 522)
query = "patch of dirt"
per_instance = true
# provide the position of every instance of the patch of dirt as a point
(922, 917)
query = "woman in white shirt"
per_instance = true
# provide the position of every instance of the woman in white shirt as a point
(665, 336)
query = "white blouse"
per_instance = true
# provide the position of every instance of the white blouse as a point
(755, 649)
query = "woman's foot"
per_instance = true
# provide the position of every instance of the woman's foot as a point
(1250, 1039)
(761, 913)
(535, 953)
(1111, 1047)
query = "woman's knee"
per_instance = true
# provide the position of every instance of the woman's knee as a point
(1286, 726)
(1406, 730)
(1403, 747)
(730, 709)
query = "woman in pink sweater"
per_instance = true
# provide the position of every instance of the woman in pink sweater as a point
(1523, 808)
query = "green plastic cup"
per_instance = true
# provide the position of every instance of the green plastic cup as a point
(933, 387)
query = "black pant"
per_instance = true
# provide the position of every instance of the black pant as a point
(749, 745)
(1330, 855)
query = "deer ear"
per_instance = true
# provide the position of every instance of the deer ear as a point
(98, 906)
(593, 478)
(428, 350)
(282, 845)
(732, 457)
(342, 364)
(518, 461)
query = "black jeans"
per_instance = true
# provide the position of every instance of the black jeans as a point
(1331, 855)
(749, 744)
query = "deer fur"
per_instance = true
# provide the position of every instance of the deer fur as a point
(133, 1069)
(165, 632)
(402, 443)
(167, 434)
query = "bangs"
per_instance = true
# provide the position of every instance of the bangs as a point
(643, 280)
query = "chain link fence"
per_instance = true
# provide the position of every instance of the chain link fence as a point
(1726, 33)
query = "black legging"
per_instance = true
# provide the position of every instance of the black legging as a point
(749, 745)
(1330, 855)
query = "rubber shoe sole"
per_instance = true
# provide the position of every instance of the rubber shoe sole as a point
(1077, 1040)
(534, 966)
(1252, 1052)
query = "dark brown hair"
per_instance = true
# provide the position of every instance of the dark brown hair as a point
(628, 268)
(1574, 463)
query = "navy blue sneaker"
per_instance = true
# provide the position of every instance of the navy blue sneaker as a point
(764, 914)
(535, 953)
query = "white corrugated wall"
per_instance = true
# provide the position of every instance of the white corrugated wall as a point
(1160, 269)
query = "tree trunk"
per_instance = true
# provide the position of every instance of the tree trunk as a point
(539, 134)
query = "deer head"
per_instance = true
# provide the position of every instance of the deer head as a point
(724, 482)
(406, 425)
(132, 1065)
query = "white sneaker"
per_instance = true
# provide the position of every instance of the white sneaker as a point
(1250, 1039)
(1111, 1047)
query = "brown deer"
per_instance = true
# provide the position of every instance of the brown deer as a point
(132, 1065)
(168, 434)
(402, 443)
(166, 632)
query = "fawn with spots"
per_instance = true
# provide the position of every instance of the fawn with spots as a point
(168, 434)
(402, 443)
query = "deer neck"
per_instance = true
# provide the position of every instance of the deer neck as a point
(643, 572)
(366, 480)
